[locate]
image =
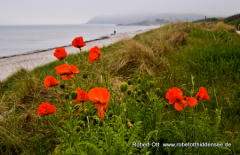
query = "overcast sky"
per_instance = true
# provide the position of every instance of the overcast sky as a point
(24, 12)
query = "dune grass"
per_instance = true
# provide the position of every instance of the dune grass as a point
(183, 55)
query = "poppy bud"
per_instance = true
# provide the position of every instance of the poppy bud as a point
(73, 87)
(138, 100)
(81, 123)
(86, 112)
(74, 95)
(136, 88)
(66, 95)
(102, 73)
(129, 82)
(129, 92)
(139, 81)
(151, 84)
(110, 113)
(62, 86)
(78, 128)
(139, 92)
(182, 123)
(85, 75)
(100, 123)
(157, 90)
(123, 86)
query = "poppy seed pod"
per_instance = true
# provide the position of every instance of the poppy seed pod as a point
(62, 86)
(129, 92)
(86, 112)
(74, 95)
(100, 123)
(102, 73)
(136, 88)
(138, 100)
(110, 113)
(157, 90)
(139, 81)
(123, 87)
(129, 82)
(139, 92)
(151, 84)
(78, 128)
(66, 95)
(85, 75)
(81, 123)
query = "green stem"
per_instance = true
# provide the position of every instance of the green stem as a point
(205, 133)
(193, 127)
(216, 98)
(76, 83)
(185, 123)
(106, 137)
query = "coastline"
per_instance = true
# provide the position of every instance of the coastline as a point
(52, 48)
(31, 60)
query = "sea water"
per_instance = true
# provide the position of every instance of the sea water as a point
(16, 40)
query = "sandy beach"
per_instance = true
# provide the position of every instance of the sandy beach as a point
(9, 65)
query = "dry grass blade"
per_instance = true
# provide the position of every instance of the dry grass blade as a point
(133, 56)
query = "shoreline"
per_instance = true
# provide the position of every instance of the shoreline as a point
(52, 48)
(31, 60)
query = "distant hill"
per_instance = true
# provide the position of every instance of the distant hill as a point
(149, 22)
(134, 18)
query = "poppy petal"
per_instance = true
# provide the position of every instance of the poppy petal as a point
(46, 108)
(74, 69)
(102, 112)
(63, 70)
(178, 107)
(60, 53)
(191, 101)
(78, 42)
(50, 81)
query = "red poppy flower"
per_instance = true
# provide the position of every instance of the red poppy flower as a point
(99, 96)
(65, 70)
(102, 109)
(82, 96)
(45, 109)
(191, 101)
(74, 69)
(50, 81)
(60, 53)
(94, 54)
(66, 77)
(202, 94)
(78, 42)
(175, 95)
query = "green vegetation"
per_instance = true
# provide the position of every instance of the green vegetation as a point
(183, 55)
(215, 20)
(233, 20)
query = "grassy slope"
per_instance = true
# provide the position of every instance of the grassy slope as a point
(180, 51)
